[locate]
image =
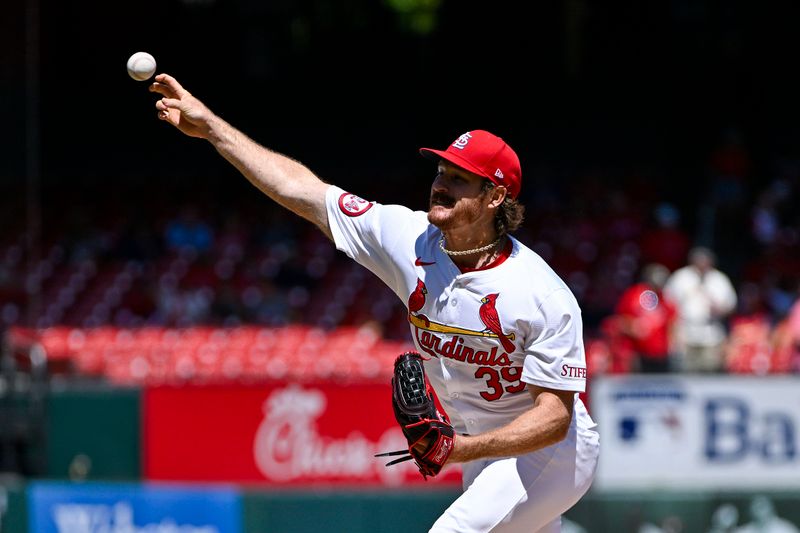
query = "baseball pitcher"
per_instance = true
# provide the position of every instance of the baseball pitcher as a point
(499, 364)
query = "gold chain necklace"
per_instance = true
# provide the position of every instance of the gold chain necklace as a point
(468, 252)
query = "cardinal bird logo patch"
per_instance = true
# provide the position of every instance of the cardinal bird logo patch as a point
(416, 301)
(491, 320)
(352, 205)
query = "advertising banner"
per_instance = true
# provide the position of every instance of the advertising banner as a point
(278, 434)
(695, 432)
(129, 508)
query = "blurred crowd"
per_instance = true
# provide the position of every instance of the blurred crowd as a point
(708, 282)
(725, 297)
(693, 319)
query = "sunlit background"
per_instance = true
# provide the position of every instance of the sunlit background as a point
(177, 349)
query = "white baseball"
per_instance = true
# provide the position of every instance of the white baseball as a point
(141, 66)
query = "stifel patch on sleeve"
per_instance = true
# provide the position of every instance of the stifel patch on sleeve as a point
(352, 205)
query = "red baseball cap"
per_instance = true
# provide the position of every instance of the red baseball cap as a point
(485, 154)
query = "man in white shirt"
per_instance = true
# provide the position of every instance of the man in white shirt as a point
(704, 297)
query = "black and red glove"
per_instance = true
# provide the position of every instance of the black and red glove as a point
(428, 430)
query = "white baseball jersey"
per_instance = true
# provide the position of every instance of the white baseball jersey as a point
(486, 333)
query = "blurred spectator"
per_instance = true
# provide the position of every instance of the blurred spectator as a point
(724, 519)
(748, 347)
(188, 230)
(704, 297)
(764, 518)
(786, 338)
(664, 242)
(644, 319)
(182, 307)
(765, 224)
(266, 303)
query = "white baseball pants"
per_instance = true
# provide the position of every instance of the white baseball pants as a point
(526, 494)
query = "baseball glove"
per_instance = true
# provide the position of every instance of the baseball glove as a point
(428, 431)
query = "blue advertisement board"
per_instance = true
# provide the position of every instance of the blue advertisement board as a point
(63, 507)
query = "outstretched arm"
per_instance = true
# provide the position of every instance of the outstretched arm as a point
(546, 423)
(288, 182)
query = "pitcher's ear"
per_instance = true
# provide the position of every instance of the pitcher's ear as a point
(498, 194)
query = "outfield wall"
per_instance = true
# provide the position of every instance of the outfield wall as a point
(674, 448)
(48, 507)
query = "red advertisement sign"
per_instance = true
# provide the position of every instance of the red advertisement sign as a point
(277, 434)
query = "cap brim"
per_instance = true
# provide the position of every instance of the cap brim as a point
(455, 159)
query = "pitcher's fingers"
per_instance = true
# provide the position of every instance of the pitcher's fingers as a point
(173, 84)
(169, 103)
(162, 89)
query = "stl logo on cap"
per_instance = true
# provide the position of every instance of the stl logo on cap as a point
(462, 140)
